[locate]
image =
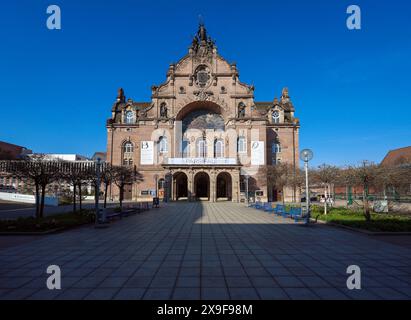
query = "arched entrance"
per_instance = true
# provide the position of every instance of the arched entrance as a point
(180, 190)
(202, 186)
(224, 186)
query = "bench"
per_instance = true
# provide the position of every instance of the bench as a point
(267, 207)
(279, 210)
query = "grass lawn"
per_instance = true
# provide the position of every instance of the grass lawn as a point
(356, 219)
(66, 220)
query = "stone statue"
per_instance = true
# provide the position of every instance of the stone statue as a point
(202, 33)
(163, 110)
(241, 110)
(284, 95)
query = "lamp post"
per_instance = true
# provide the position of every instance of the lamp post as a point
(306, 155)
(246, 177)
(156, 182)
(97, 191)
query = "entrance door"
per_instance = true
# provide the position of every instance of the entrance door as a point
(180, 185)
(224, 186)
(202, 186)
(128, 191)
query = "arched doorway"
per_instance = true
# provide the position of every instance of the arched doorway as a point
(224, 186)
(180, 190)
(202, 186)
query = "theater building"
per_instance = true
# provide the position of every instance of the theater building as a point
(202, 136)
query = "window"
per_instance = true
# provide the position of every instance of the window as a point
(275, 160)
(219, 149)
(129, 117)
(127, 162)
(128, 147)
(161, 184)
(275, 148)
(242, 145)
(186, 148)
(276, 116)
(128, 150)
(201, 148)
(162, 145)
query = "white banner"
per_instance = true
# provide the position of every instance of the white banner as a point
(202, 161)
(147, 152)
(257, 153)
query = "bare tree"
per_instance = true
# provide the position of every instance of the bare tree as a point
(40, 172)
(107, 178)
(279, 176)
(122, 176)
(76, 174)
(326, 175)
(365, 175)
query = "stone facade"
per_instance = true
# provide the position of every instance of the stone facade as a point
(202, 132)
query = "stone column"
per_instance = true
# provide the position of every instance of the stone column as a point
(190, 184)
(235, 176)
(213, 189)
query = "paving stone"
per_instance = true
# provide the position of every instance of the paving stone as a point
(216, 250)
(186, 294)
(272, 294)
(130, 294)
(243, 294)
(214, 294)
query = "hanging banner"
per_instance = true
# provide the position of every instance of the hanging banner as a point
(257, 153)
(147, 152)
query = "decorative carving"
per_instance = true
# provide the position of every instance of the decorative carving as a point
(203, 95)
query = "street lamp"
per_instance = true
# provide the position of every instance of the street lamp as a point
(97, 191)
(246, 177)
(306, 155)
(156, 184)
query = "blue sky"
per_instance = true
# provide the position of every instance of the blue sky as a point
(351, 89)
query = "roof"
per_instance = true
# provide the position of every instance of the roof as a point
(397, 156)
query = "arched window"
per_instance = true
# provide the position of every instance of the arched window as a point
(276, 116)
(185, 148)
(128, 150)
(219, 148)
(129, 118)
(201, 148)
(162, 145)
(242, 145)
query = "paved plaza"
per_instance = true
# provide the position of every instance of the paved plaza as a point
(206, 251)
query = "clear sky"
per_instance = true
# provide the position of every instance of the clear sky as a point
(351, 89)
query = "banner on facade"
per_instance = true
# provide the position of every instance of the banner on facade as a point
(257, 153)
(202, 161)
(147, 152)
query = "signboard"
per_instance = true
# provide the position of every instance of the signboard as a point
(257, 153)
(147, 152)
(202, 161)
